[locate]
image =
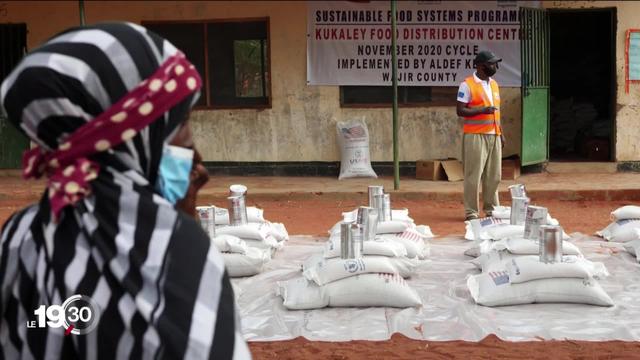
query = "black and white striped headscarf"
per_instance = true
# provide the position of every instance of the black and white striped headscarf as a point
(159, 282)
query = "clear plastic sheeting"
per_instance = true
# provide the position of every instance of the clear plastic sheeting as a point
(448, 312)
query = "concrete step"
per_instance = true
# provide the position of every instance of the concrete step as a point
(582, 167)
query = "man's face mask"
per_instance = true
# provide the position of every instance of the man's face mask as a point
(174, 171)
(490, 70)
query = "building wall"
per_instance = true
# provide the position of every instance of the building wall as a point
(300, 126)
(626, 143)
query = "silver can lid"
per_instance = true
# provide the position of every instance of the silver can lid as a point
(238, 189)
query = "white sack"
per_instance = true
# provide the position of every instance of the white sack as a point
(252, 233)
(414, 241)
(270, 244)
(279, 231)
(379, 247)
(501, 212)
(229, 244)
(396, 214)
(476, 228)
(495, 253)
(529, 268)
(495, 289)
(493, 260)
(254, 215)
(384, 227)
(425, 230)
(323, 271)
(504, 212)
(497, 260)
(523, 246)
(393, 227)
(361, 290)
(505, 231)
(632, 247)
(621, 230)
(626, 212)
(249, 264)
(353, 139)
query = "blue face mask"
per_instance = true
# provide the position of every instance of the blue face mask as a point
(174, 171)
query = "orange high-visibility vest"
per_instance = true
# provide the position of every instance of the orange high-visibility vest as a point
(483, 123)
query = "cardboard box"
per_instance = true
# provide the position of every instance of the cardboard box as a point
(429, 170)
(510, 169)
(449, 169)
(453, 169)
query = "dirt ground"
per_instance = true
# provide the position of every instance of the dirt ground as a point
(315, 215)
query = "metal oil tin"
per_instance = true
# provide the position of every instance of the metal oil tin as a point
(237, 211)
(518, 190)
(383, 205)
(374, 190)
(207, 217)
(237, 190)
(357, 240)
(550, 243)
(368, 219)
(518, 210)
(387, 207)
(536, 216)
(350, 240)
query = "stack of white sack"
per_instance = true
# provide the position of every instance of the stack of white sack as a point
(497, 226)
(493, 232)
(402, 229)
(260, 238)
(240, 259)
(513, 274)
(371, 280)
(492, 254)
(625, 228)
(374, 279)
(626, 222)
(527, 280)
(255, 216)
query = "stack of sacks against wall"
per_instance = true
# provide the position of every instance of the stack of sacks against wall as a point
(259, 238)
(513, 274)
(375, 279)
(626, 222)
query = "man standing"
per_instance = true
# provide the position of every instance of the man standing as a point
(479, 105)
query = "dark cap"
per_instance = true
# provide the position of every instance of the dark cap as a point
(486, 56)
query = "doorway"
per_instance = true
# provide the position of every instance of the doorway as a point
(582, 84)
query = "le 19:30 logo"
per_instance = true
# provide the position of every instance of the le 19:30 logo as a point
(78, 315)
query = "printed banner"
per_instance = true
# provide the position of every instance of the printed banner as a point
(349, 42)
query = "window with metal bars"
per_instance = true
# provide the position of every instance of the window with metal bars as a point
(231, 55)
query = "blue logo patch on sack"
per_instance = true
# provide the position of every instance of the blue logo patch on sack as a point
(352, 266)
(460, 94)
(499, 277)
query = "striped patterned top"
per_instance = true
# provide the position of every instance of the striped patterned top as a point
(158, 281)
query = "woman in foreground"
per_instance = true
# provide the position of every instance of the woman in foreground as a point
(107, 106)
